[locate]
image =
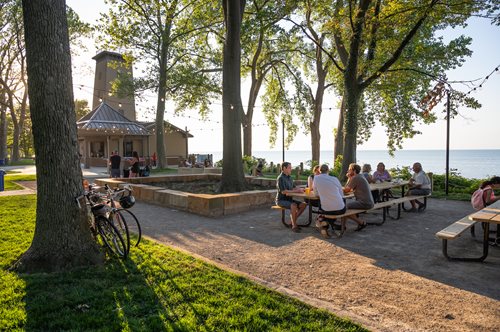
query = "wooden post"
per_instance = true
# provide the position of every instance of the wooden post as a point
(301, 167)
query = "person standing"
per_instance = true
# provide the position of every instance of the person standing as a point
(419, 184)
(329, 190)
(114, 163)
(285, 185)
(134, 169)
(361, 188)
(154, 158)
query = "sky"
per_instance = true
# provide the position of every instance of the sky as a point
(472, 129)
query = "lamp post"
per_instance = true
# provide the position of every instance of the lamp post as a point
(446, 180)
(283, 139)
(432, 99)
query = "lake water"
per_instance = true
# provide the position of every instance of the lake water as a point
(469, 163)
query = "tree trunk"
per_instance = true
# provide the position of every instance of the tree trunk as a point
(351, 128)
(247, 136)
(62, 238)
(233, 179)
(315, 141)
(353, 90)
(3, 128)
(339, 136)
(160, 105)
(15, 143)
(318, 106)
(247, 118)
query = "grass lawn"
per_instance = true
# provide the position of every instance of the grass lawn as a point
(157, 289)
(164, 170)
(22, 162)
(9, 180)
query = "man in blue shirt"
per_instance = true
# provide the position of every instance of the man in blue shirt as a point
(285, 185)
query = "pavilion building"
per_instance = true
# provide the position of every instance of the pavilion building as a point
(112, 124)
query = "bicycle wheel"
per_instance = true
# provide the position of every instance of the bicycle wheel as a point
(121, 225)
(111, 236)
(138, 225)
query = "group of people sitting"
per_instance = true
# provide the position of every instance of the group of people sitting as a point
(331, 193)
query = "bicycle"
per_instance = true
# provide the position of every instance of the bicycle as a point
(108, 232)
(125, 202)
(115, 211)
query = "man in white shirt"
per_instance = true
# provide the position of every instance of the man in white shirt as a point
(420, 184)
(329, 190)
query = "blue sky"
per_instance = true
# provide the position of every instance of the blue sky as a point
(473, 129)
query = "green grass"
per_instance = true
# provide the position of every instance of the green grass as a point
(157, 289)
(164, 171)
(22, 162)
(10, 179)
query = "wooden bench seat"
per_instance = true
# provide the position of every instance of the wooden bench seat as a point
(283, 219)
(454, 231)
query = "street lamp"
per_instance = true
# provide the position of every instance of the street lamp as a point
(283, 138)
(432, 98)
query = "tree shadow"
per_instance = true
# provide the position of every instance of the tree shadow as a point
(121, 295)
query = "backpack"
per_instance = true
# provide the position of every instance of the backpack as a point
(477, 200)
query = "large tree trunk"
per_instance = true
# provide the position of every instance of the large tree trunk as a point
(353, 90)
(351, 128)
(233, 179)
(339, 135)
(62, 238)
(160, 106)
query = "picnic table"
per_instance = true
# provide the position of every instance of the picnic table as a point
(488, 215)
(384, 186)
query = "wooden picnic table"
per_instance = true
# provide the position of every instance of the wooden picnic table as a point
(384, 186)
(488, 215)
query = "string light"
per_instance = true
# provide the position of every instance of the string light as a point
(483, 81)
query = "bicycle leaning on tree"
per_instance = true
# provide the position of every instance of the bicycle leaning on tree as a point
(108, 209)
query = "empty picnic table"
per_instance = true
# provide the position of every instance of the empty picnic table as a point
(488, 215)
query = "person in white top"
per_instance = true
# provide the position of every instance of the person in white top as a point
(329, 191)
(419, 184)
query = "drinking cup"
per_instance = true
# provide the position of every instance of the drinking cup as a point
(307, 191)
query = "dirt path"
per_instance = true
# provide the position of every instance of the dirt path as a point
(392, 277)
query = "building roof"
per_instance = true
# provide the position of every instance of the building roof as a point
(101, 54)
(106, 119)
(151, 126)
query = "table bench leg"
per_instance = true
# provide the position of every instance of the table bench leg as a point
(470, 259)
(307, 224)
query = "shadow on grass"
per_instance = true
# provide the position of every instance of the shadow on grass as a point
(113, 297)
(160, 289)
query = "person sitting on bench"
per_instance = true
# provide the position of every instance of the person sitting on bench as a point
(284, 184)
(329, 190)
(419, 184)
(361, 188)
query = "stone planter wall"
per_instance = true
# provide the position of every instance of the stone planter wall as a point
(202, 204)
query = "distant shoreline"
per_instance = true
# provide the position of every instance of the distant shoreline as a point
(469, 163)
